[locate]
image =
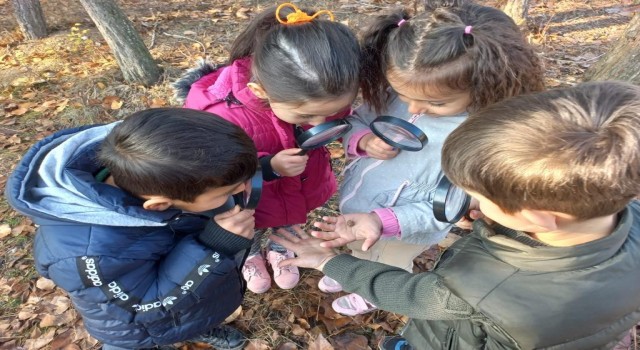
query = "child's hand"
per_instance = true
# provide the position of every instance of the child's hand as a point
(343, 229)
(376, 148)
(237, 221)
(473, 214)
(288, 163)
(308, 250)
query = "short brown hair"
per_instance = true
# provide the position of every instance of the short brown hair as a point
(574, 150)
(179, 153)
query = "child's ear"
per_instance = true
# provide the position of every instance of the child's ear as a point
(157, 203)
(258, 91)
(545, 220)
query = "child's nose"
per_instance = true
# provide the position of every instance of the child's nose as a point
(415, 108)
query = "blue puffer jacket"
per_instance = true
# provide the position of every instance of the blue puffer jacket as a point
(139, 278)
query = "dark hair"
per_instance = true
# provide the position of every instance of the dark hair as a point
(432, 50)
(302, 61)
(572, 150)
(177, 152)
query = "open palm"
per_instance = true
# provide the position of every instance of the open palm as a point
(340, 230)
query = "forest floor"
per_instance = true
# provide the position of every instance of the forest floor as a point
(70, 78)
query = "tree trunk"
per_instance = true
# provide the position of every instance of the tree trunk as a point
(30, 18)
(518, 10)
(622, 61)
(132, 55)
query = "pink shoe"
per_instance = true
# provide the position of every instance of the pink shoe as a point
(352, 304)
(286, 277)
(255, 273)
(329, 285)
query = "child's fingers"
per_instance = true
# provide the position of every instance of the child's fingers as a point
(325, 235)
(324, 226)
(330, 219)
(288, 262)
(294, 236)
(291, 151)
(368, 243)
(283, 242)
(334, 243)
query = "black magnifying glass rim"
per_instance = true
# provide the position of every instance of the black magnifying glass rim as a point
(414, 130)
(440, 202)
(318, 129)
(256, 192)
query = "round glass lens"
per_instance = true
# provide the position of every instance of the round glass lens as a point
(324, 137)
(456, 203)
(397, 134)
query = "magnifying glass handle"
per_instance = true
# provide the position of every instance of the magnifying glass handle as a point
(302, 152)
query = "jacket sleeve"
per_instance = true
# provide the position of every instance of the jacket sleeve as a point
(147, 286)
(421, 296)
(360, 120)
(417, 219)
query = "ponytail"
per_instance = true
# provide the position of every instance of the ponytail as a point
(374, 58)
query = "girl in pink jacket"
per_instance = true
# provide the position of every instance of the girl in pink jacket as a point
(289, 68)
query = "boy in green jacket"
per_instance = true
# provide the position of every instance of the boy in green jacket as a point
(554, 264)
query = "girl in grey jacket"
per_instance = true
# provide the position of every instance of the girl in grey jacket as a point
(429, 70)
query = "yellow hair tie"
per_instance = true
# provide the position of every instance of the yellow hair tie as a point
(299, 16)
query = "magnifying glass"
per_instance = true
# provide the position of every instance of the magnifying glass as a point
(399, 133)
(249, 198)
(450, 203)
(321, 135)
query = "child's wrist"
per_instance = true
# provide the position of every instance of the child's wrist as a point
(324, 261)
(390, 227)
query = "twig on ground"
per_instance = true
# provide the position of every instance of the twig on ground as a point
(204, 49)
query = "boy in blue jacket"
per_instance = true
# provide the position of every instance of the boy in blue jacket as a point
(554, 264)
(125, 226)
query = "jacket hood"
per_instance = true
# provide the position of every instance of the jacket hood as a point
(55, 181)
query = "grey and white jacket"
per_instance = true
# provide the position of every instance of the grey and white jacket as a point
(406, 183)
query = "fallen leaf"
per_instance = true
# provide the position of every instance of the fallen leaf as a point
(5, 230)
(157, 102)
(116, 104)
(287, 346)
(19, 111)
(14, 139)
(320, 343)
(45, 284)
(351, 341)
(242, 13)
(297, 330)
(109, 101)
(257, 344)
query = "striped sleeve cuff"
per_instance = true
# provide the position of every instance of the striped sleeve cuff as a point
(390, 224)
(352, 146)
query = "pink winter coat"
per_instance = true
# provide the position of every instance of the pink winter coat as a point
(284, 201)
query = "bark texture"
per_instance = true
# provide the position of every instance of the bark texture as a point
(131, 53)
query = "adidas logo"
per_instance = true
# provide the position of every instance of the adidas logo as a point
(203, 268)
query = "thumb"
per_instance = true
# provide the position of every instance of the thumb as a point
(368, 243)
(291, 151)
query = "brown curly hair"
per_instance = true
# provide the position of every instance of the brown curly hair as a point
(433, 51)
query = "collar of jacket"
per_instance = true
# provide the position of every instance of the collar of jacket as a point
(500, 242)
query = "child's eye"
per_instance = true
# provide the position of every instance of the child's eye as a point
(437, 104)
